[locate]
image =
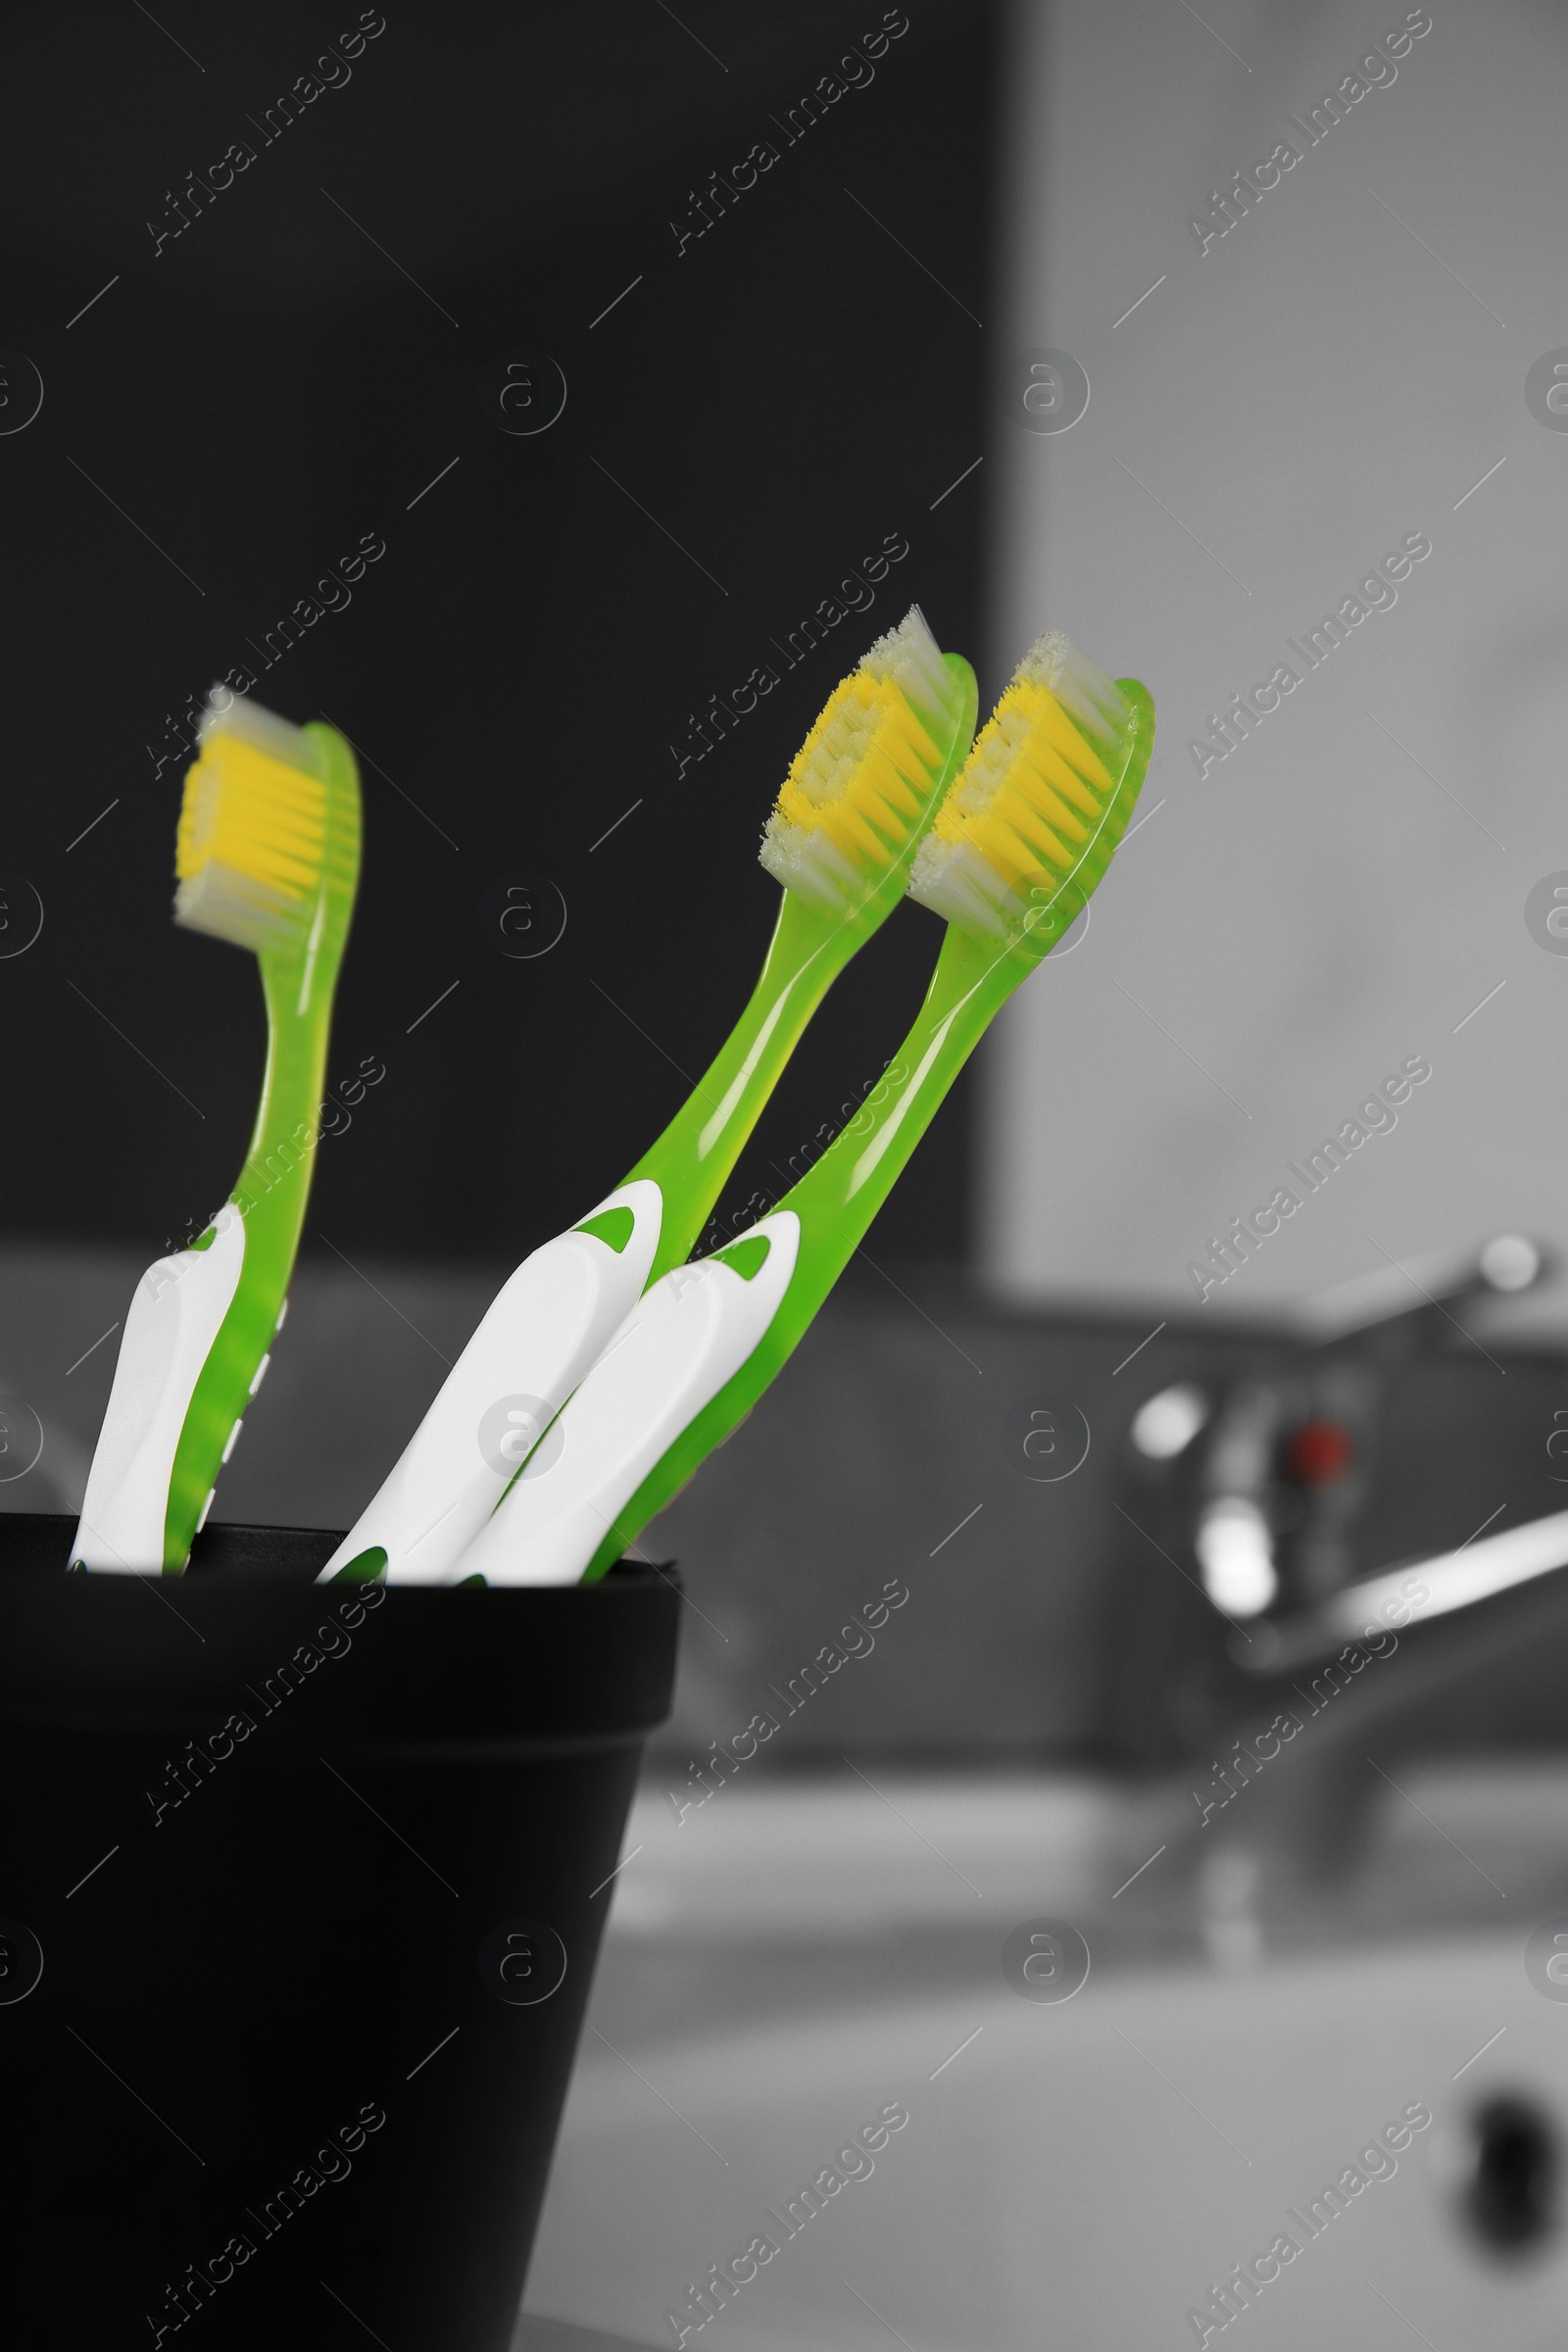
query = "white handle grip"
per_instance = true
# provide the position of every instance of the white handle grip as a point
(672, 1356)
(539, 1334)
(173, 1318)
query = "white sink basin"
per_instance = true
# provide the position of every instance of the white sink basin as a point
(785, 1970)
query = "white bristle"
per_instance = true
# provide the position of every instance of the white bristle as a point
(808, 863)
(1080, 685)
(227, 903)
(913, 659)
(955, 882)
(230, 713)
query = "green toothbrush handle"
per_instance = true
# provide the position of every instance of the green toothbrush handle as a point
(271, 1194)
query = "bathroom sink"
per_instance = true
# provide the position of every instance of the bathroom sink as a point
(795, 1966)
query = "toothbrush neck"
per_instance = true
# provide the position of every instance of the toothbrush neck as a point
(697, 1151)
(838, 1199)
(276, 1178)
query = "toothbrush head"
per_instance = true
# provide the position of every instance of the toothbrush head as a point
(268, 843)
(1025, 833)
(864, 785)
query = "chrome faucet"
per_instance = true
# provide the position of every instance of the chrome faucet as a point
(1272, 1476)
(1256, 1491)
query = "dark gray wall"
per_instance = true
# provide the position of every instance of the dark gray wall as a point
(248, 398)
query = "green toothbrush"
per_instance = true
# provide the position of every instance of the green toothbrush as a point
(1019, 843)
(267, 857)
(858, 798)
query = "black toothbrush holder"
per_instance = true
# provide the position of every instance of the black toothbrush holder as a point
(301, 1889)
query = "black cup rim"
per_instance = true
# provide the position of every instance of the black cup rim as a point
(409, 1669)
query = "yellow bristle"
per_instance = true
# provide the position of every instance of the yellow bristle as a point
(1035, 811)
(1078, 755)
(1031, 805)
(862, 783)
(250, 844)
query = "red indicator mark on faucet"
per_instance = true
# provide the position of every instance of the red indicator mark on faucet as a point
(1318, 1453)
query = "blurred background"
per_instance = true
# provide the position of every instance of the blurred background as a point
(1229, 342)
